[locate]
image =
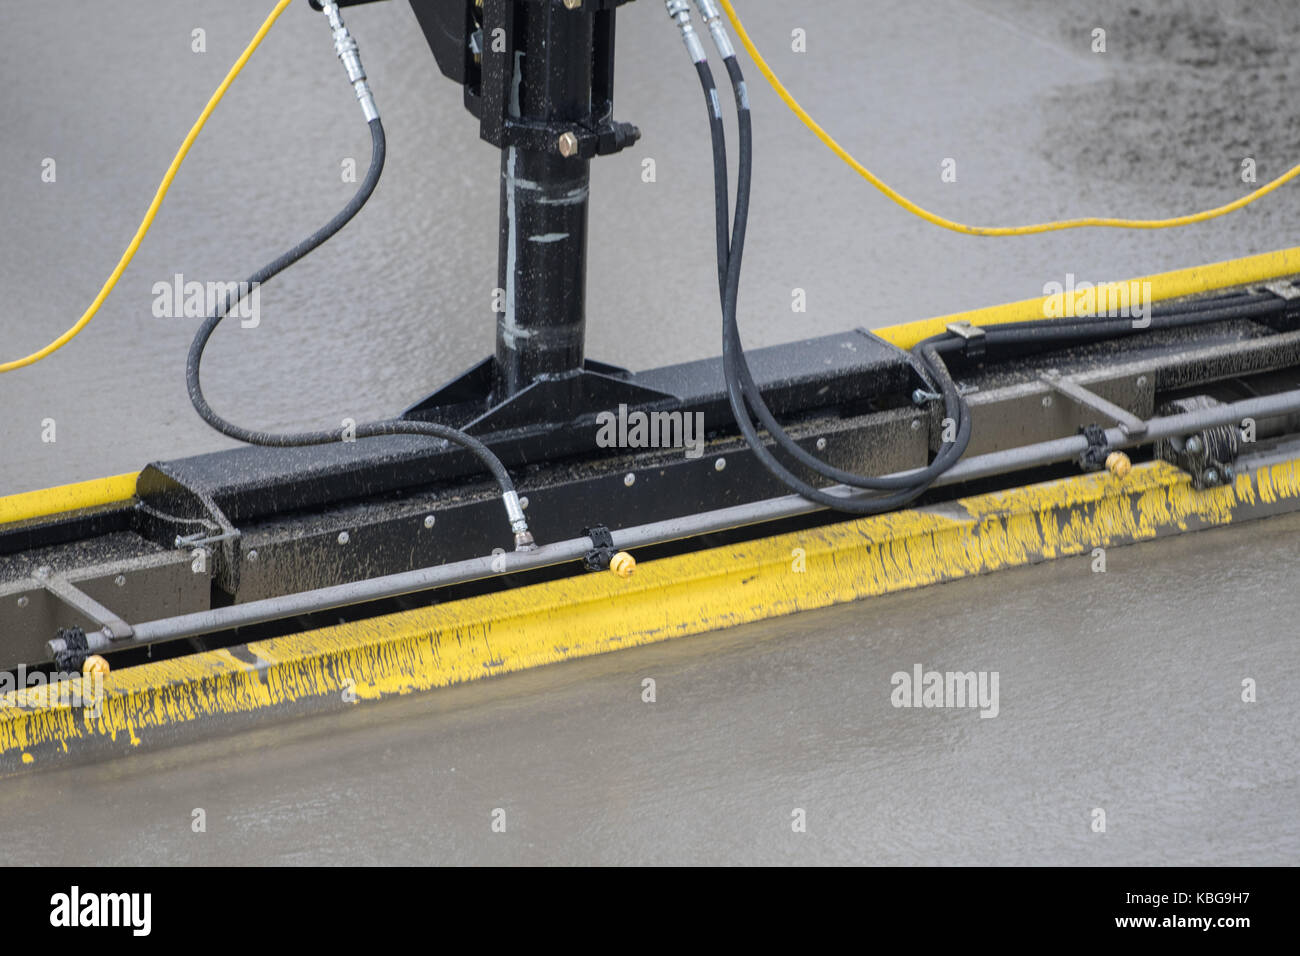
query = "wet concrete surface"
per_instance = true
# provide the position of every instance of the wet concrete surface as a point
(1039, 126)
(1119, 691)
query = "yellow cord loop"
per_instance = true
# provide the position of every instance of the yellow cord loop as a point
(937, 220)
(129, 254)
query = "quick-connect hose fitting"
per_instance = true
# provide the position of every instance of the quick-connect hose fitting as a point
(518, 523)
(712, 16)
(346, 48)
(680, 12)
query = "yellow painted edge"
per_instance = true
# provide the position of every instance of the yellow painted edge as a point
(64, 498)
(672, 597)
(1164, 285)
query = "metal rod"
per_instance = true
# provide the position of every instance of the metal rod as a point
(1080, 395)
(79, 600)
(772, 509)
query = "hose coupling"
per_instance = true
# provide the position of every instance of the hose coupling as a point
(346, 48)
(712, 16)
(518, 523)
(680, 12)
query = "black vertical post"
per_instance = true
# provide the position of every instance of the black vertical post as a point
(542, 261)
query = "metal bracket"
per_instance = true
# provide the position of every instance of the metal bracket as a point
(1128, 423)
(922, 395)
(973, 334)
(201, 540)
(1282, 289)
(603, 550)
(114, 628)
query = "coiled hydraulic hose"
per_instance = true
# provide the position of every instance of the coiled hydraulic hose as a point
(347, 51)
(742, 391)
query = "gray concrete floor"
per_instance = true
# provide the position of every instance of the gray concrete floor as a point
(1118, 691)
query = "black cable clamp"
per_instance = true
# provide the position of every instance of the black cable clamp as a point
(1094, 458)
(603, 550)
(972, 335)
(75, 649)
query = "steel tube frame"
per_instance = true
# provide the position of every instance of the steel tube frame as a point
(460, 572)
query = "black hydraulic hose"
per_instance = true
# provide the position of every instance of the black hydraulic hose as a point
(740, 386)
(743, 391)
(744, 395)
(955, 406)
(721, 194)
(368, 430)
(1058, 332)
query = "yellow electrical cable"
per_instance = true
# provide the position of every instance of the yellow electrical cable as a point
(129, 254)
(937, 220)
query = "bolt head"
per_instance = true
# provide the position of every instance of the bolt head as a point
(120, 580)
(1211, 477)
(428, 521)
(720, 464)
(821, 444)
(629, 479)
(572, 4)
(1194, 445)
(567, 145)
(344, 537)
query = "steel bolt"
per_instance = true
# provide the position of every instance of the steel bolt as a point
(343, 537)
(1229, 474)
(252, 555)
(821, 444)
(428, 521)
(720, 464)
(629, 479)
(1211, 477)
(1047, 401)
(1194, 445)
(22, 601)
(572, 4)
(120, 580)
(568, 145)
